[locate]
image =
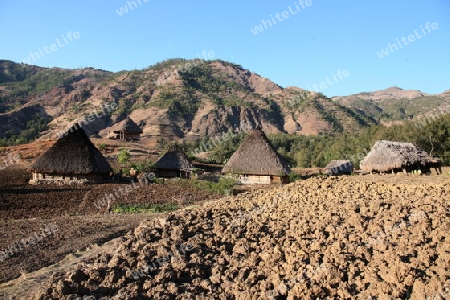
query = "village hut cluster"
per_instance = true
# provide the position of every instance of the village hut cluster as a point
(74, 158)
(255, 162)
(390, 157)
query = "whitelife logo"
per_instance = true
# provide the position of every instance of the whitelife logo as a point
(105, 110)
(69, 37)
(391, 48)
(280, 17)
(9, 160)
(32, 240)
(124, 9)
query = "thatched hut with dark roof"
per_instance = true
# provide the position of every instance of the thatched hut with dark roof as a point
(127, 130)
(72, 158)
(173, 163)
(387, 156)
(339, 167)
(257, 162)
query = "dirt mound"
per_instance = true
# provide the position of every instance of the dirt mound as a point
(332, 238)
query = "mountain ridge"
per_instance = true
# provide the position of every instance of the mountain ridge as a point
(176, 99)
(394, 103)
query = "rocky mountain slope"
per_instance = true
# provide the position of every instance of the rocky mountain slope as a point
(177, 98)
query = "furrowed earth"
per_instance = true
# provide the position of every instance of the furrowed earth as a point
(349, 237)
(77, 211)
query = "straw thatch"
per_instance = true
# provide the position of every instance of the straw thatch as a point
(336, 167)
(173, 159)
(128, 126)
(127, 130)
(386, 156)
(73, 154)
(256, 156)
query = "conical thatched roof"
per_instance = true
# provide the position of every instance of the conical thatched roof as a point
(386, 156)
(73, 154)
(173, 159)
(339, 166)
(128, 126)
(256, 156)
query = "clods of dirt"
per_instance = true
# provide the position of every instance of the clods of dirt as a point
(333, 238)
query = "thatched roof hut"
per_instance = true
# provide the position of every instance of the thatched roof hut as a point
(337, 167)
(173, 163)
(257, 161)
(71, 158)
(127, 130)
(387, 156)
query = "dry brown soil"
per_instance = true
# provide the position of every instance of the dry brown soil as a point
(360, 237)
(27, 209)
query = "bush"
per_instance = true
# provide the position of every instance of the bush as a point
(124, 156)
(144, 167)
(293, 176)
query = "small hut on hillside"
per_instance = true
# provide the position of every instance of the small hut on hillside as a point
(127, 130)
(71, 159)
(257, 162)
(339, 167)
(173, 163)
(387, 156)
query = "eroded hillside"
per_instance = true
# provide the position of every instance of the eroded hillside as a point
(175, 99)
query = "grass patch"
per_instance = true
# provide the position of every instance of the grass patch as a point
(293, 176)
(142, 208)
(223, 187)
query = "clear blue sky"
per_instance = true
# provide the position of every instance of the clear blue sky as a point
(310, 44)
